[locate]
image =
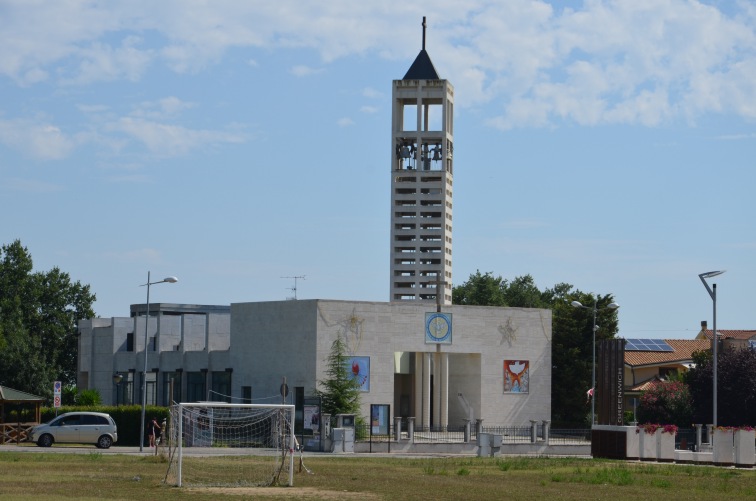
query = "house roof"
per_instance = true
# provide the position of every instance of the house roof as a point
(11, 395)
(683, 350)
(728, 334)
(645, 385)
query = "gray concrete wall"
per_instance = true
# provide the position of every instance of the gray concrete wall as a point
(270, 341)
(294, 338)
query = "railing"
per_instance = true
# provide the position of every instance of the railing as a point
(14, 433)
(456, 434)
(570, 436)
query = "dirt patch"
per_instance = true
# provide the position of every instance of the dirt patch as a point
(290, 492)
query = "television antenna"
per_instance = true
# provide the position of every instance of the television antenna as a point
(294, 289)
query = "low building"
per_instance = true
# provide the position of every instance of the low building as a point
(467, 362)
(729, 338)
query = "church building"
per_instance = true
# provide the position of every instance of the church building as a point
(417, 353)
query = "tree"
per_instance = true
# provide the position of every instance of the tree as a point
(341, 391)
(666, 402)
(736, 387)
(572, 335)
(38, 315)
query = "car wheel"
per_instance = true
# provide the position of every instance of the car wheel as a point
(104, 442)
(45, 440)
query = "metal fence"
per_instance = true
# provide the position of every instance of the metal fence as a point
(456, 434)
(685, 438)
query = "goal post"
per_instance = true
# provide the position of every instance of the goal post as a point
(221, 444)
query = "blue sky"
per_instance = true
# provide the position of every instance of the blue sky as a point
(609, 145)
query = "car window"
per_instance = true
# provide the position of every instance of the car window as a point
(93, 419)
(69, 421)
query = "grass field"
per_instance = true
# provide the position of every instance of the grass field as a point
(45, 476)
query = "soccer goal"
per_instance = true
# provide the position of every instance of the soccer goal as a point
(219, 444)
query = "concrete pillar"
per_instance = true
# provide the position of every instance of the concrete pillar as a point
(426, 390)
(411, 429)
(478, 426)
(698, 436)
(533, 431)
(444, 373)
(397, 428)
(546, 430)
(437, 390)
(418, 397)
(467, 430)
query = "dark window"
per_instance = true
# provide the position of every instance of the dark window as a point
(246, 394)
(195, 387)
(130, 341)
(221, 387)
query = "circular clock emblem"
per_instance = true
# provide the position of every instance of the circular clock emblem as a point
(438, 327)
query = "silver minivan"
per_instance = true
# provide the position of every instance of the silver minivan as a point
(79, 428)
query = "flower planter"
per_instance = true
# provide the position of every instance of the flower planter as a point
(724, 447)
(632, 443)
(745, 448)
(665, 446)
(646, 445)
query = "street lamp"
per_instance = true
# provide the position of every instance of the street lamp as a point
(713, 293)
(170, 280)
(594, 309)
(117, 378)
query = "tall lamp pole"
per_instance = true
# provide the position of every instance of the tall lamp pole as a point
(594, 309)
(170, 280)
(713, 293)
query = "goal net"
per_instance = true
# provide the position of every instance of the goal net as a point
(219, 444)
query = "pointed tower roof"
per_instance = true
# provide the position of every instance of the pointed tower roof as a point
(422, 68)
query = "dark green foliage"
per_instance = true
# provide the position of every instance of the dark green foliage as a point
(736, 388)
(572, 340)
(38, 315)
(340, 391)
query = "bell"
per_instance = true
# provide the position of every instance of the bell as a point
(437, 153)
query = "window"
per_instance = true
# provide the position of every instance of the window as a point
(130, 341)
(151, 389)
(221, 386)
(167, 377)
(195, 387)
(246, 394)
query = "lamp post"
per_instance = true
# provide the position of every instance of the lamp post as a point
(594, 309)
(713, 293)
(117, 378)
(170, 280)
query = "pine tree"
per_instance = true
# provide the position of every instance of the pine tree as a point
(340, 391)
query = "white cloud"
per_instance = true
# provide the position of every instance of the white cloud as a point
(170, 106)
(369, 109)
(167, 140)
(304, 71)
(526, 63)
(37, 139)
(345, 122)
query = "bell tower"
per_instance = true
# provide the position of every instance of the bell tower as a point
(422, 167)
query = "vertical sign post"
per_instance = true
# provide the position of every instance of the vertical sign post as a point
(57, 387)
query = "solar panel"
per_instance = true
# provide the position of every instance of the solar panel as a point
(647, 345)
